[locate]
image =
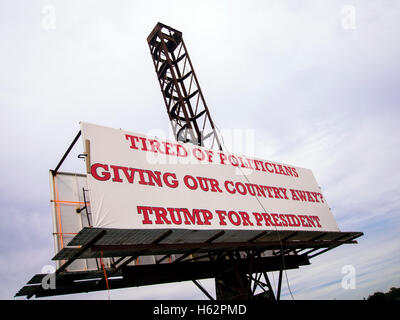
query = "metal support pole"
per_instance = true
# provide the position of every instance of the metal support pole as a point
(278, 294)
(74, 257)
(126, 262)
(66, 153)
(203, 290)
(80, 251)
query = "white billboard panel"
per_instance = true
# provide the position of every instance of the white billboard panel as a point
(138, 182)
(67, 195)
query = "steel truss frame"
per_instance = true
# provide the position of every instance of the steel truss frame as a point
(187, 109)
(238, 272)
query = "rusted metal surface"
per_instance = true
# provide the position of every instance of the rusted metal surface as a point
(186, 106)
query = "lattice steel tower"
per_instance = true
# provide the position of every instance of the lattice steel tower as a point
(186, 106)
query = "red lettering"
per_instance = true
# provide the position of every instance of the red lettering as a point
(222, 158)
(281, 171)
(154, 146)
(260, 191)
(207, 216)
(316, 219)
(104, 176)
(231, 191)
(293, 220)
(203, 183)
(250, 188)
(245, 218)
(315, 195)
(294, 196)
(173, 183)
(144, 146)
(309, 197)
(302, 220)
(310, 221)
(154, 176)
(250, 163)
(209, 155)
(277, 193)
(235, 221)
(215, 185)
(128, 176)
(191, 218)
(283, 219)
(269, 190)
(172, 215)
(132, 141)
(193, 185)
(116, 173)
(161, 215)
(142, 180)
(283, 190)
(266, 166)
(267, 219)
(238, 186)
(180, 148)
(198, 154)
(221, 216)
(242, 164)
(233, 160)
(258, 218)
(288, 171)
(259, 163)
(302, 195)
(168, 148)
(145, 211)
(276, 219)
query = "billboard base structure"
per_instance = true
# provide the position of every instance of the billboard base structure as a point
(90, 259)
(236, 259)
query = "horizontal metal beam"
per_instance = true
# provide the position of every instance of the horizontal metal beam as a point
(77, 254)
(73, 276)
(142, 275)
(184, 271)
(330, 248)
(115, 250)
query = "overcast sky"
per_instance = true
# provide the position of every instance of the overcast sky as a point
(316, 83)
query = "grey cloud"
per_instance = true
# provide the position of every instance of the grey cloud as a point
(317, 96)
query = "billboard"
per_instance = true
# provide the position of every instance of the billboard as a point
(70, 205)
(141, 182)
(71, 212)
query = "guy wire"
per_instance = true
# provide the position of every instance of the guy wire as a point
(258, 200)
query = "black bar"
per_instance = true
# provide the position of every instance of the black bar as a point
(80, 251)
(330, 248)
(163, 258)
(125, 263)
(278, 294)
(119, 250)
(203, 290)
(216, 236)
(66, 153)
(258, 236)
(269, 284)
(313, 239)
(72, 259)
(333, 246)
